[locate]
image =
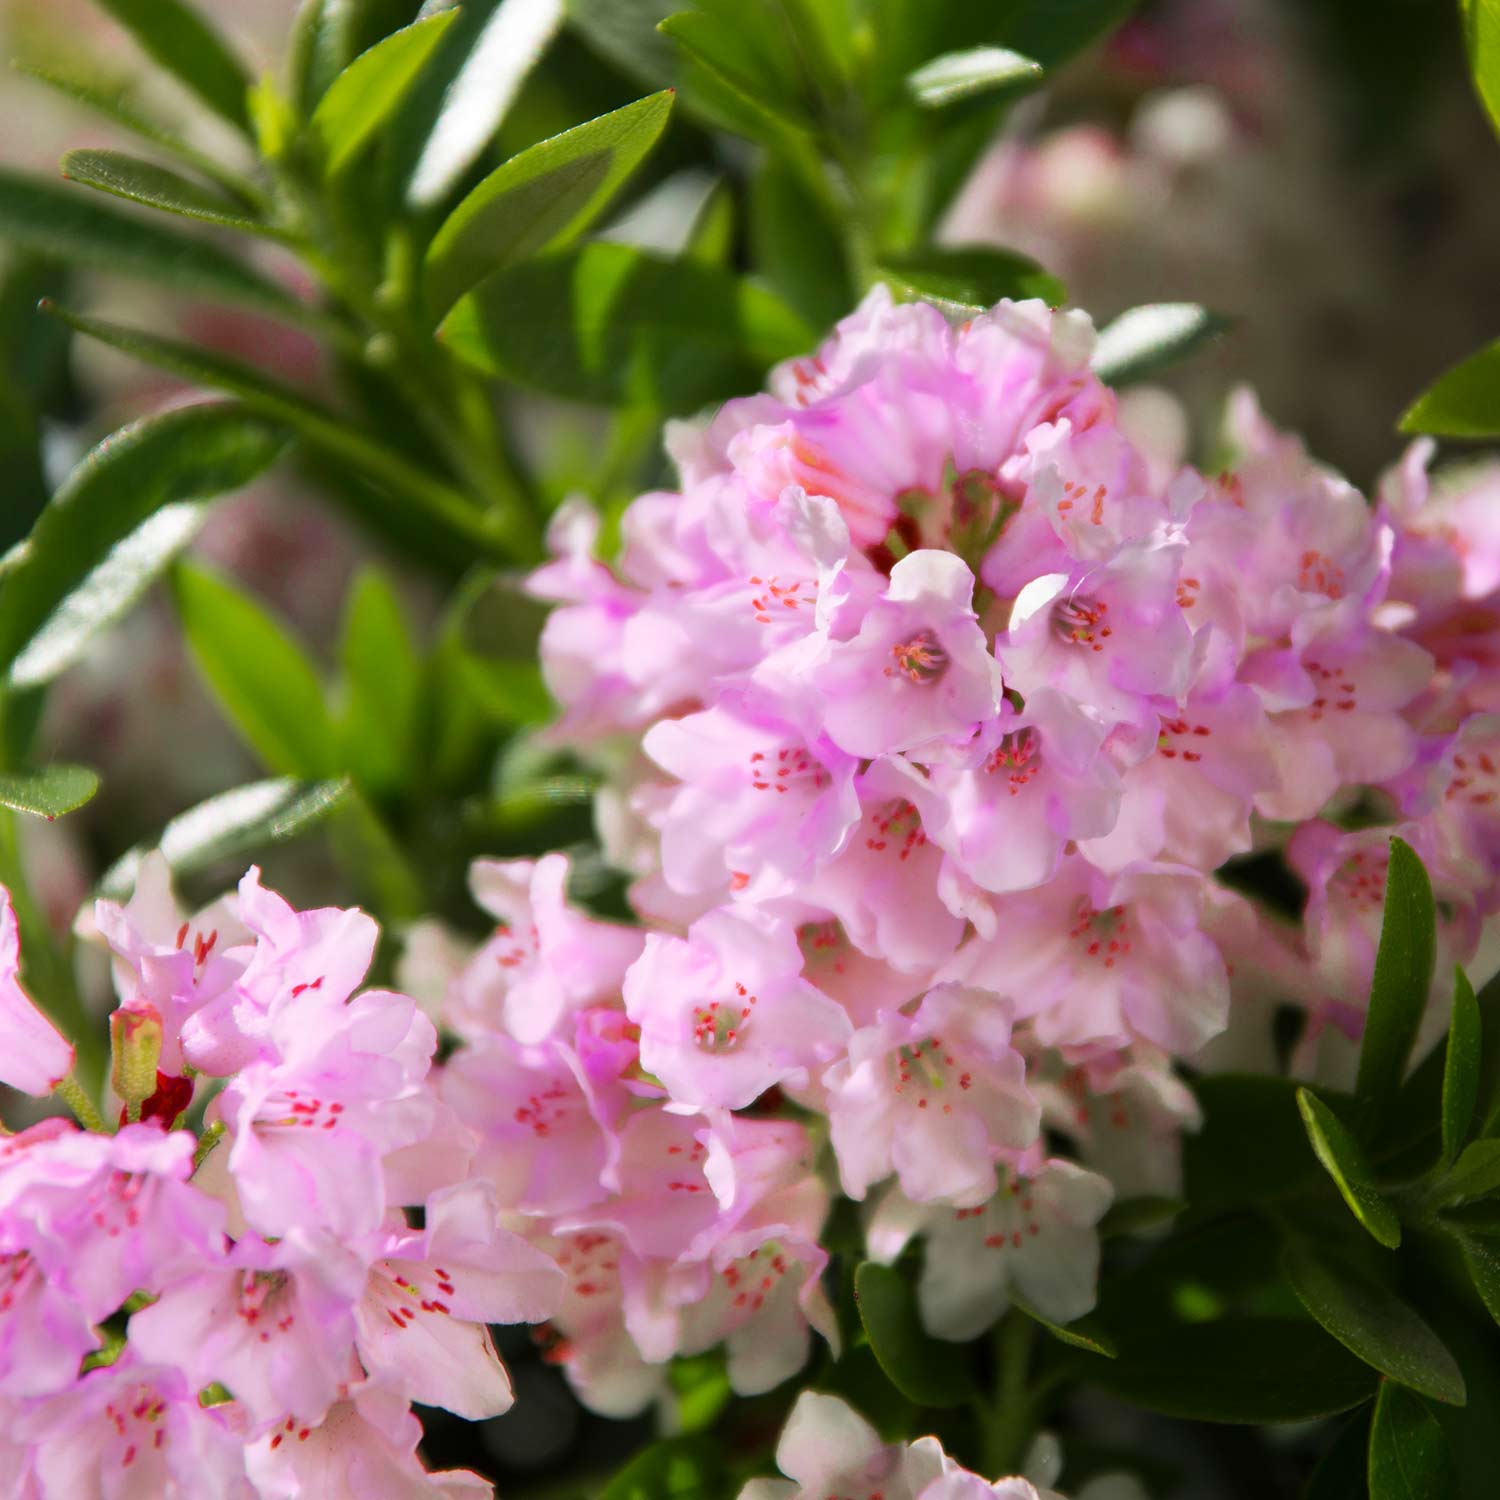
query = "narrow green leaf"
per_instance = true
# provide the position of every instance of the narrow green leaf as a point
(1475, 1174)
(366, 94)
(614, 325)
(1461, 1066)
(264, 682)
(922, 1369)
(1082, 1333)
(625, 32)
(58, 221)
(1482, 1259)
(1464, 402)
(970, 277)
(675, 1468)
(1234, 1369)
(797, 243)
(729, 44)
(230, 827)
(113, 525)
(190, 49)
(1132, 1215)
(156, 187)
(977, 70)
(1409, 1455)
(1145, 339)
(381, 872)
(1344, 1161)
(1372, 1322)
(1403, 976)
(542, 199)
(382, 684)
(49, 793)
(1482, 39)
(486, 532)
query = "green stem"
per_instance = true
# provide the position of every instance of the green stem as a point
(1010, 1425)
(72, 1093)
(207, 1142)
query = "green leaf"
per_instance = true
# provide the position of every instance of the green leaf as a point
(156, 187)
(613, 325)
(970, 277)
(1052, 31)
(1482, 1261)
(1475, 1174)
(677, 1468)
(375, 862)
(1409, 1454)
(439, 502)
(1481, 20)
(1372, 1322)
(116, 521)
(1464, 402)
(734, 43)
(382, 685)
(49, 793)
(978, 70)
(231, 826)
(1344, 1161)
(797, 246)
(264, 682)
(188, 48)
(1232, 1369)
(1132, 1215)
(72, 226)
(542, 199)
(1082, 1333)
(1403, 976)
(625, 31)
(923, 1370)
(1340, 1472)
(1461, 1066)
(366, 94)
(1145, 339)
(499, 44)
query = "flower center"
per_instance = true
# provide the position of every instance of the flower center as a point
(921, 659)
(1080, 621)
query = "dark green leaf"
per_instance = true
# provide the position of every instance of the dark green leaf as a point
(735, 42)
(1344, 1161)
(978, 70)
(156, 187)
(1082, 1333)
(542, 199)
(1461, 1066)
(970, 277)
(263, 680)
(797, 244)
(1464, 402)
(1340, 1473)
(1052, 31)
(678, 1468)
(625, 31)
(115, 522)
(1132, 1215)
(923, 1370)
(493, 48)
(366, 94)
(50, 793)
(510, 692)
(1146, 339)
(1475, 1174)
(1409, 1455)
(1482, 38)
(610, 324)
(1234, 1369)
(73, 226)
(382, 685)
(188, 48)
(231, 827)
(1403, 976)
(1372, 1322)
(381, 873)
(1481, 1255)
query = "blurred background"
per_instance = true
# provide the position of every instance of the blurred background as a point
(1316, 170)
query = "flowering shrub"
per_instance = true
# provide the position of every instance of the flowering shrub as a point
(964, 967)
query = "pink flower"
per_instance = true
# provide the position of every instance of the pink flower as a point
(1090, 960)
(724, 1013)
(544, 960)
(33, 1056)
(1034, 1239)
(933, 1097)
(431, 1292)
(135, 1431)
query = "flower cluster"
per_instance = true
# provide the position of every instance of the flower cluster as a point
(250, 1312)
(934, 706)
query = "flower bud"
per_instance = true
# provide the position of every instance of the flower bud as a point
(135, 1048)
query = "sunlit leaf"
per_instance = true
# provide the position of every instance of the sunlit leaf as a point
(970, 277)
(1146, 339)
(49, 793)
(1344, 1161)
(978, 70)
(1481, 20)
(156, 187)
(1465, 402)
